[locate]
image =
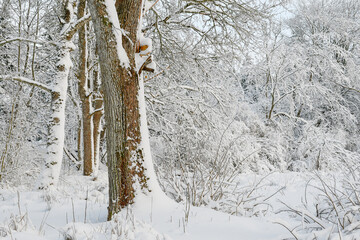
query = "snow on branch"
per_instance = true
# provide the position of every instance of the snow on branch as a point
(118, 33)
(96, 110)
(68, 33)
(149, 5)
(349, 88)
(75, 26)
(20, 39)
(27, 81)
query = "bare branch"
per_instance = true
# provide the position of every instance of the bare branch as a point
(158, 74)
(349, 88)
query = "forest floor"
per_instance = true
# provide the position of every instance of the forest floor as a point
(77, 209)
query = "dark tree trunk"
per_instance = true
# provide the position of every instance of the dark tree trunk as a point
(85, 97)
(121, 87)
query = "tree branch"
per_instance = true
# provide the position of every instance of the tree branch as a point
(27, 81)
(74, 27)
(349, 88)
(95, 111)
(20, 39)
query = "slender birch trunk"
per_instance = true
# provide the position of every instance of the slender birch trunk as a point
(97, 116)
(56, 135)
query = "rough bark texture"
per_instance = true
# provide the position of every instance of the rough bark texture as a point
(120, 86)
(85, 97)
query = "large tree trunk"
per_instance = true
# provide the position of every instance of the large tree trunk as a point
(120, 81)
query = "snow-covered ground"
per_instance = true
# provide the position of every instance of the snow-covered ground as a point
(78, 210)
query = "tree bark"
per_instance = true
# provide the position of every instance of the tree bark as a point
(56, 136)
(98, 115)
(56, 126)
(121, 87)
(85, 97)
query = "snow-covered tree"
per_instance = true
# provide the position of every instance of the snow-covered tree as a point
(307, 83)
(122, 51)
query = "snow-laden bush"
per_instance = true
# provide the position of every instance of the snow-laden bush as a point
(205, 138)
(305, 83)
(23, 134)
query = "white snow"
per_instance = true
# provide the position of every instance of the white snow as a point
(78, 209)
(145, 145)
(118, 32)
(142, 56)
(25, 80)
(148, 5)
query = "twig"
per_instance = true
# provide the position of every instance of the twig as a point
(156, 75)
(18, 202)
(153, 5)
(46, 214)
(274, 194)
(73, 210)
(291, 231)
(35, 41)
(305, 214)
(86, 203)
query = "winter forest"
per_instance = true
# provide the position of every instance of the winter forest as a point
(180, 119)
